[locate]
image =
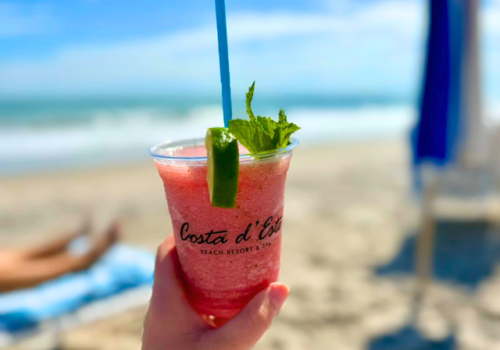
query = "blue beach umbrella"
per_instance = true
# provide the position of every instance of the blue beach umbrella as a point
(434, 139)
(449, 127)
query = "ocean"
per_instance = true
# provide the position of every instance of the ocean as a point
(49, 134)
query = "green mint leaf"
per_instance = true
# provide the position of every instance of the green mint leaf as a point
(249, 101)
(260, 134)
(246, 134)
(286, 129)
(268, 125)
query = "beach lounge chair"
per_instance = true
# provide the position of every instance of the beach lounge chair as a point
(120, 280)
(453, 170)
(453, 175)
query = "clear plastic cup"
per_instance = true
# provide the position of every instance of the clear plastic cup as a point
(227, 255)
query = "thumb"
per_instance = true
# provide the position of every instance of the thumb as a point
(246, 328)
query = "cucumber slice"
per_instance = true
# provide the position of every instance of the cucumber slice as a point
(222, 167)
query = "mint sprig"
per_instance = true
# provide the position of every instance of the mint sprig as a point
(260, 134)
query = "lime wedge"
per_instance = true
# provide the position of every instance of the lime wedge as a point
(222, 167)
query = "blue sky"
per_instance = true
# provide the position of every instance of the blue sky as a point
(169, 47)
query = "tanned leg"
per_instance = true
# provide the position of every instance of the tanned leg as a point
(28, 273)
(53, 247)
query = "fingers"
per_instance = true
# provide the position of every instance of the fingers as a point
(169, 308)
(167, 274)
(246, 328)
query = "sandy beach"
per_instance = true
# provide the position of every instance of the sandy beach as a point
(347, 210)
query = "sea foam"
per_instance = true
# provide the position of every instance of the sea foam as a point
(125, 135)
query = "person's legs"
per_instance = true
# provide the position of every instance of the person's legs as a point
(28, 273)
(53, 247)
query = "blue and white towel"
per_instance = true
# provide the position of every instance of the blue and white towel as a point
(121, 268)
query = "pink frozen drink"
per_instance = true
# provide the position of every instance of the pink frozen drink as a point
(227, 255)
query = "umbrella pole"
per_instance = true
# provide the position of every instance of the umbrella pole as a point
(425, 249)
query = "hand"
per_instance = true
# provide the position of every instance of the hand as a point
(171, 324)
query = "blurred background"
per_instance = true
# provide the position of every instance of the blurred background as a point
(86, 86)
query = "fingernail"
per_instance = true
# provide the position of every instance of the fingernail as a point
(278, 292)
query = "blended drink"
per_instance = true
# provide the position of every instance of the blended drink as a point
(227, 255)
(225, 195)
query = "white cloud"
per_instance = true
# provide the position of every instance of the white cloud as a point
(24, 19)
(390, 15)
(491, 19)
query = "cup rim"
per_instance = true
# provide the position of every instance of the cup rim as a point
(154, 150)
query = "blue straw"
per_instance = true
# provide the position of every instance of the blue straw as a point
(220, 13)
